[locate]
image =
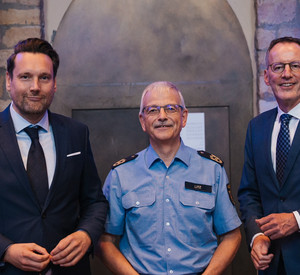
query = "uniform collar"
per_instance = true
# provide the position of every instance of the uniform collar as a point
(182, 155)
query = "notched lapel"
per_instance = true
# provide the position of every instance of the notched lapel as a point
(268, 130)
(10, 148)
(60, 138)
(293, 154)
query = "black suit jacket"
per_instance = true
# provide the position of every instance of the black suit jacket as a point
(260, 193)
(74, 202)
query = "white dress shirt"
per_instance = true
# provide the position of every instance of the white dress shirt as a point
(295, 113)
(46, 139)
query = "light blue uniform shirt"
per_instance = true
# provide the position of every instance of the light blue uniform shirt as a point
(165, 227)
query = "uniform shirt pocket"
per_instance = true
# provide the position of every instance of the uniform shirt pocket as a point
(196, 216)
(141, 220)
(197, 199)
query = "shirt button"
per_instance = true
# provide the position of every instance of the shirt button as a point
(197, 202)
(171, 271)
(137, 203)
(167, 177)
(167, 200)
(167, 224)
(169, 249)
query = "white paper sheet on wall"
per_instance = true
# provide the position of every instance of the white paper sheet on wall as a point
(193, 134)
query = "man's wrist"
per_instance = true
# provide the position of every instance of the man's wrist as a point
(297, 217)
(256, 235)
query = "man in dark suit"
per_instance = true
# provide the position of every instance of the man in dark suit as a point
(269, 193)
(54, 234)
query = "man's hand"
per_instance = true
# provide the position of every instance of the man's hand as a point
(27, 256)
(71, 249)
(277, 226)
(259, 253)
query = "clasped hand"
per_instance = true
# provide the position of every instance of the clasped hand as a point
(32, 257)
(278, 225)
(273, 226)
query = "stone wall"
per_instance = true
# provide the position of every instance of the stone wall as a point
(274, 19)
(23, 18)
(19, 19)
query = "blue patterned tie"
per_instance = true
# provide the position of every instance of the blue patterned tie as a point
(283, 146)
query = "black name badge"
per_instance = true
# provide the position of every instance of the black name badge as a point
(198, 187)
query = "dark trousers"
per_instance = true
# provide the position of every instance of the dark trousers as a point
(281, 269)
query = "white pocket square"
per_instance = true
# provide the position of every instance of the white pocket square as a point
(73, 154)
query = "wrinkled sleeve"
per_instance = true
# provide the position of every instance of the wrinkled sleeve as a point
(225, 215)
(116, 214)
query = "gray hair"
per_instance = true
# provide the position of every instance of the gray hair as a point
(285, 39)
(161, 85)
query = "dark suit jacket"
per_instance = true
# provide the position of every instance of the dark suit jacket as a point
(260, 194)
(75, 200)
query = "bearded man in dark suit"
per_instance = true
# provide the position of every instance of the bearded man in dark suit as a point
(56, 233)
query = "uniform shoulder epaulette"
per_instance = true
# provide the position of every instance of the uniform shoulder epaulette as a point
(121, 161)
(211, 156)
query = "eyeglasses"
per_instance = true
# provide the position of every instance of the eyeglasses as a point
(279, 67)
(155, 110)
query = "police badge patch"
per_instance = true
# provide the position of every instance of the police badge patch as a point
(230, 193)
(211, 156)
(121, 161)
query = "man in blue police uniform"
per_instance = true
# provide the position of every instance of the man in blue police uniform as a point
(168, 203)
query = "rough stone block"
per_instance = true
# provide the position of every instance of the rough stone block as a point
(266, 105)
(288, 31)
(276, 12)
(4, 104)
(264, 37)
(20, 17)
(15, 34)
(4, 54)
(2, 84)
(262, 86)
(261, 60)
(23, 2)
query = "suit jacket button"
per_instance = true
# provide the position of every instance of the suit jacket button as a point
(282, 199)
(44, 216)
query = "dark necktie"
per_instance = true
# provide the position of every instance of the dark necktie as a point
(283, 146)
(36, 166)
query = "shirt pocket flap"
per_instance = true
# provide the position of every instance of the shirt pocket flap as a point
(133, 199)
(198, 199)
